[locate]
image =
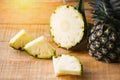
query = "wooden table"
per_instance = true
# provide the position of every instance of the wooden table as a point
(33, 16)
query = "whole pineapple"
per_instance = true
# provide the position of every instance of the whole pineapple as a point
(104, 37)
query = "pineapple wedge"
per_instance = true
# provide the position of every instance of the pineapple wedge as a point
(20, 39)
(67, 26)
(40, 48)
(67, 65)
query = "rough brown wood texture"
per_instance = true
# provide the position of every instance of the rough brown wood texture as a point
(34, 18)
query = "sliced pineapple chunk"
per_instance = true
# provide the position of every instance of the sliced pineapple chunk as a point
(67, 26)
(20, 39)
(40, 48)
(67, 65)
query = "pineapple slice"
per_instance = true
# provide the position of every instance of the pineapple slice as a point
(67, 26)
(20, 39)
(40, 48)
(67, 65)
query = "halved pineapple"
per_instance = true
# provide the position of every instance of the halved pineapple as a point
(40, 48)
(67, 26)
(20, 39)
(67, 65)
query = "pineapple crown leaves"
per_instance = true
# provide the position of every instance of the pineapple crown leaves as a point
(115, 5)
(103, 14)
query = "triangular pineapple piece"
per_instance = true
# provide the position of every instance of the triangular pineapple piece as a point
(40, 48)
(67, 65)
(20, 39)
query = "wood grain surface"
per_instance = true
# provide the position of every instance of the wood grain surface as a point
(34, 18)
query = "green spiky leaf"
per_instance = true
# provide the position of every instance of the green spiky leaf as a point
(81, 9)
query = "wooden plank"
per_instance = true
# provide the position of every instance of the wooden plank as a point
(16, 12)
(18, 65)
(34, 18)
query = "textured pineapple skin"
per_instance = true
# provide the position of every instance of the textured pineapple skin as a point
(103, 42)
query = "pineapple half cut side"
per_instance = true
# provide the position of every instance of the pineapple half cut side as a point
(67, 26)
(67, 65)
(40, 48)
